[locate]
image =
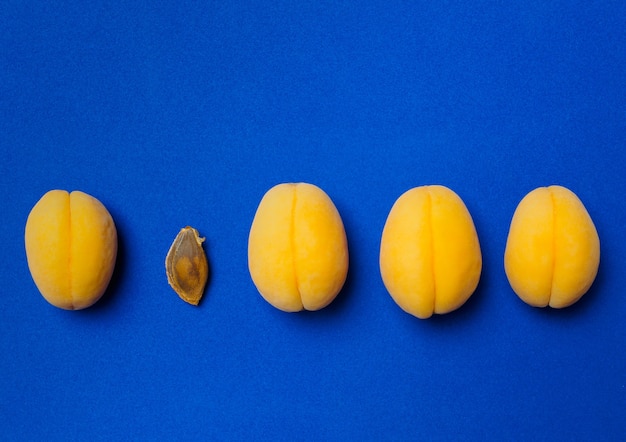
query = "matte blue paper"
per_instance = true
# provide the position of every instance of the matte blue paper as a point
(186, 113)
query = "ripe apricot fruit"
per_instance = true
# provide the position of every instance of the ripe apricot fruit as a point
(297, 248)
(71, 247)
(430, 259)
(553, 250)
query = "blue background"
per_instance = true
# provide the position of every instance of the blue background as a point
(186, 113)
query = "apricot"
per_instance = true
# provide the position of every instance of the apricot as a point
(297, 248)
(553, 250)
(430, 258)
(71, 247)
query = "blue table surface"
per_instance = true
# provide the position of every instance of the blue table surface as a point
(186, 113)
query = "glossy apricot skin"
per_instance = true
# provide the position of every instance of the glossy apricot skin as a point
(297, 248)
(552, 252)
(430, 258)
(71, 248)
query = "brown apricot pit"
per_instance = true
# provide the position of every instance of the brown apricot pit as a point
(186, 266)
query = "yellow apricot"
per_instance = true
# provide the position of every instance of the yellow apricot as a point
(430, 259)
(71, 247)
(553, 250)
(297, 248)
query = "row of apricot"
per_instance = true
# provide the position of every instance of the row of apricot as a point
(430, 257)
